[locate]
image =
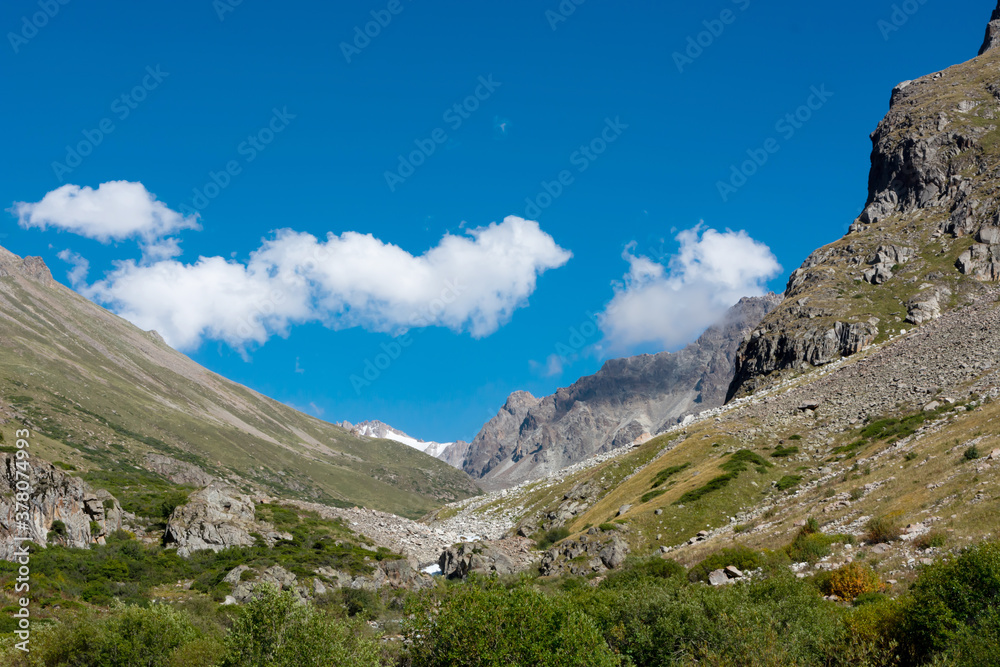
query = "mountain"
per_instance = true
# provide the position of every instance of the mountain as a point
(862, 419)
(927, 240)
(120, 406)
(445, 451)
(627, 400)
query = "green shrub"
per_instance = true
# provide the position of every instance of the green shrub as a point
(952, 598)
(788, 481)
(361, 603)
(933, 539)
(811, 545)
(666, 474)
(274, 630)
(490, 625)
(972, 453)
(739, 556)
(881, 529)
(784, 452)
(795, 437)
(608, 526)
(713, 484)
(636, 571)
(656, 493)
(553, 536)
(739, 461)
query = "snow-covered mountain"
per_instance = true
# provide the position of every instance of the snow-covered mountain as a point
(449, 452)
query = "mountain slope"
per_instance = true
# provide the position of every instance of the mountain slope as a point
(900, 434)
(100, 394)
(626, 400)
(927, 238)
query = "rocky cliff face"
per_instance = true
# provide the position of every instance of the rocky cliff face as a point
(628, 399)
(928, 237)
(87, 515)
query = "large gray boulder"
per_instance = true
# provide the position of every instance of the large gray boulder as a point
(217, 517)
(459, 561)
(88, 515)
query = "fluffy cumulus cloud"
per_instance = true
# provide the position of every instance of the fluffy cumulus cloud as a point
(671, 304)
(115, 211)
(467, 283)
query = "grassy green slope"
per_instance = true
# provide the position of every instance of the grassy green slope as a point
(100, 393)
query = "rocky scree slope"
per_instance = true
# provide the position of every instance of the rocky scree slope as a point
(928, 236)
(105, 397)
(627, 400)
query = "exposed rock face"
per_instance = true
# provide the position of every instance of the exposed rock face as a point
(29, 267)
(931, 217)
(992, 32)
(594, 552)
(55, 496)
(215, 518)
(474, 558)
(178, 472)
(626, 400)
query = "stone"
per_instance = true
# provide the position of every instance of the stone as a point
(217, 517)
(235, 575)
(460, 561)
(614, 554)
(178, 472)
(733, 572)
(55, 496)
(623, 509)
(933, 405)
(718, 578)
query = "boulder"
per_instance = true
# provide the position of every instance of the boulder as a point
(718, 578)
(55, 496)
(178, 472)
(614, 554)
(459, 561)
(217, 517)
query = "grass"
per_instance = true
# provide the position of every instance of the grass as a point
(788, 481)
(666, 474)
(98, 393)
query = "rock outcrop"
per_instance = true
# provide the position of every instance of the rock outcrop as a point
(217, 517)
(178, 472)
(992, 39)
(86, 515)
(930, 228)
(594, 552)
(459, 561)
(628, 399)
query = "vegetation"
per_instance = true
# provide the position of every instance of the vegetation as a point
(667, 473)
(553, 536)
(736, 464)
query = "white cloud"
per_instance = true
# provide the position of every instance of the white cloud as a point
(671, 305)
(466, 283)
(115, 211)
(81, 267)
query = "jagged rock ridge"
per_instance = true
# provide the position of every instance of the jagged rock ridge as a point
(627, 400)
(928, 237)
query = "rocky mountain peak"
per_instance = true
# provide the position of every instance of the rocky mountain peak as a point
(928, 237)
(28, 267)
(992, 39)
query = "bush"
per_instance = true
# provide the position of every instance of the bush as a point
(489, 625)
(656, 493)
(810, 545)
(933, 539)
(955, 597)
(361, 603)
(666, 474)
(788, 482)
(784, 452)
(739, 557)
(713, 484)
(852, 580)
(636, 571)
(274, 630)
(553, 536)
(972, 453)
(881, 529)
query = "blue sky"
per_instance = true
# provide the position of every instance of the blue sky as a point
(189, 89)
